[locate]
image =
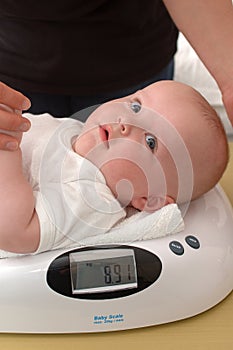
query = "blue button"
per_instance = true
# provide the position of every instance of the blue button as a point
(176, 247)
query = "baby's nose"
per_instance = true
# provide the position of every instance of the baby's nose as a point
(124, 129)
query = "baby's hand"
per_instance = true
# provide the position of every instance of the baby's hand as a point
(12, 124)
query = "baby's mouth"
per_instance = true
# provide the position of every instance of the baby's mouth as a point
(104, 133)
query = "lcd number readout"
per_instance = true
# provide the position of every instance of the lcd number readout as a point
(111, 271)
(114, 274)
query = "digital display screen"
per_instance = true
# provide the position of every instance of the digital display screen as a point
(102, 270)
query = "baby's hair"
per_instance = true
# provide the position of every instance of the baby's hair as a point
(220, 154)
(214, 123)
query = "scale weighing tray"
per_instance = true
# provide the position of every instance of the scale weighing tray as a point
(106, 288)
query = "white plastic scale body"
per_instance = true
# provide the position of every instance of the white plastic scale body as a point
(123, 287)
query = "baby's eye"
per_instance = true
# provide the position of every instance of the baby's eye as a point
(136, 107)
(151, 141)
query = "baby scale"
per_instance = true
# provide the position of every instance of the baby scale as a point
(117, 287)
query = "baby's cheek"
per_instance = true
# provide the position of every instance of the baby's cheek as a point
(125, 179)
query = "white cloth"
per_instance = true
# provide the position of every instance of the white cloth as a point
(142, 226)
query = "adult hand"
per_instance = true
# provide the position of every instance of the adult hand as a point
(12, 124)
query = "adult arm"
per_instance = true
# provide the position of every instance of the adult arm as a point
(11, 120)
(208, 26)
(19, 225)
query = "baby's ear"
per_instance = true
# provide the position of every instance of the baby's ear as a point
(152, 203)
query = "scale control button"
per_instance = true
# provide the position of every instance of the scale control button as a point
(176, 247)
(192, 242)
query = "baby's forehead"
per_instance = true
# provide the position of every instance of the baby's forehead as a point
(161, 103)
(147, 118)
(140, 95)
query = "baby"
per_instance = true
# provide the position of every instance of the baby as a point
(164, 144)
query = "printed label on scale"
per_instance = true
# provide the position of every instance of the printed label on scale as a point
(108, 319)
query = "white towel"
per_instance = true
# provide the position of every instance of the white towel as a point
(140, 226)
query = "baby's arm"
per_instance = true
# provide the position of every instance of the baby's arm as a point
(19, 224)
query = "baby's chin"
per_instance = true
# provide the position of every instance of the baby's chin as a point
(78, 145)
(74, 142)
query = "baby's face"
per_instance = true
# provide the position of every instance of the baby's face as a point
(124, 139)
(144, 143)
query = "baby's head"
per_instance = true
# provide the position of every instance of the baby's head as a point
(162, 144)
